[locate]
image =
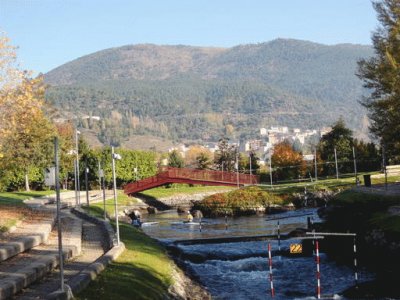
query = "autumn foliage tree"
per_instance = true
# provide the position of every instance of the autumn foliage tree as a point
(287, 163)
(25, 132)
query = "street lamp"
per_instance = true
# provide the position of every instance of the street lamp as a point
(77, 184)
(114, 157)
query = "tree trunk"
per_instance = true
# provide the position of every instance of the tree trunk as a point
(27, 183)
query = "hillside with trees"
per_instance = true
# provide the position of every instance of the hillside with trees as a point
(191, 93)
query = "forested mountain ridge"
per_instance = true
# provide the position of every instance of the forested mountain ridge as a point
(192, 93)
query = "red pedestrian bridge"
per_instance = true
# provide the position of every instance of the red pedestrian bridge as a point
(190, 176)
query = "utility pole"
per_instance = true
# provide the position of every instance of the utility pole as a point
(237, 165)
(114, 157)
(77, 168)
(355, 165)
(86, 183)
(251, 179)
(315, 164)
(57, 182)
(103, 187)
(384, 164)
(270, 167)
(337, 171)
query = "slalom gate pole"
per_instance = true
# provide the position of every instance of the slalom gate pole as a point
(270, 270)
(355, 263)
(200, 224)
(226, 221)
(318, 270)
(279, 237)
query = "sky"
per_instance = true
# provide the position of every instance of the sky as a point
(49, 33)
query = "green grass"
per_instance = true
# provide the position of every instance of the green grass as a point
(350, 197)
(325, 184)
(386, 222)
(362, 211)
(12, 207)
(122, 198)
(181, 189)
(143, 270)
(17, 198)
(178, 189)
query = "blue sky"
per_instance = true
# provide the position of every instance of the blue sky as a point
(52, 32)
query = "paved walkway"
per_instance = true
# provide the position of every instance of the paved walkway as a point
(93, 246)
(30, 253)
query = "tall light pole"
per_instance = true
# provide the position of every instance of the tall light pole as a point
(86, 182)
(77, 184)
(337, 170)
(355, 165)
(57, 182)
(315, 164)
(114, 157)
(103, 187)
(270, 167)
(237, 165)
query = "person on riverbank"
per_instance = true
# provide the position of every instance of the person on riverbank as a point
(135, 218)
(189, 217)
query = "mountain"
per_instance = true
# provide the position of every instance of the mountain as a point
(198, 93)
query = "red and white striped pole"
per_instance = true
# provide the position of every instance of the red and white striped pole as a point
(318, 270)
(270, 270)
(355, 262)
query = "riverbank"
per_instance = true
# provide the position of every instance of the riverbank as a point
(143, 271)
(374, 215)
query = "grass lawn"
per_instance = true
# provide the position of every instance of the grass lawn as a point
(370, 209)
(13, 209)
(160, 192)
(324, 184)
(143, 270)
(122, 198)
(179, 189)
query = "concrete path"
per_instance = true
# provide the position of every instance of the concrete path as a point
(25, 268)
(93, 247)
(29, 255)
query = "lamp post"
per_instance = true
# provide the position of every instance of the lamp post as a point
(114, 157)
(77, 184)
(57, 186)
(337, 170)
(86, 182)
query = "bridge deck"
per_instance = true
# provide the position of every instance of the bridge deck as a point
(190, 176)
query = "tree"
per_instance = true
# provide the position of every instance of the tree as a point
(381, 75)
(225, 156)
(341, 139)
(287, 163)
(203, 161)
(175, 159)
(25, 132)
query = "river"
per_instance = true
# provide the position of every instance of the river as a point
(240, 270)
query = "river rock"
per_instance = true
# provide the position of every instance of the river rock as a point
(152, 210)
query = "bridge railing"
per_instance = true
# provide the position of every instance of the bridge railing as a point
(209, 175)
(167, 174)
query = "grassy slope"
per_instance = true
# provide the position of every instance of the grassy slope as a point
(13, 209)
(371, 209)
(143, 271)
(324, 184)
(161, 192)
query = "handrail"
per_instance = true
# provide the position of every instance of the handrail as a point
(170, 174)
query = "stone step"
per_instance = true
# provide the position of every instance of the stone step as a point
(25, 268)
(26, 236)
